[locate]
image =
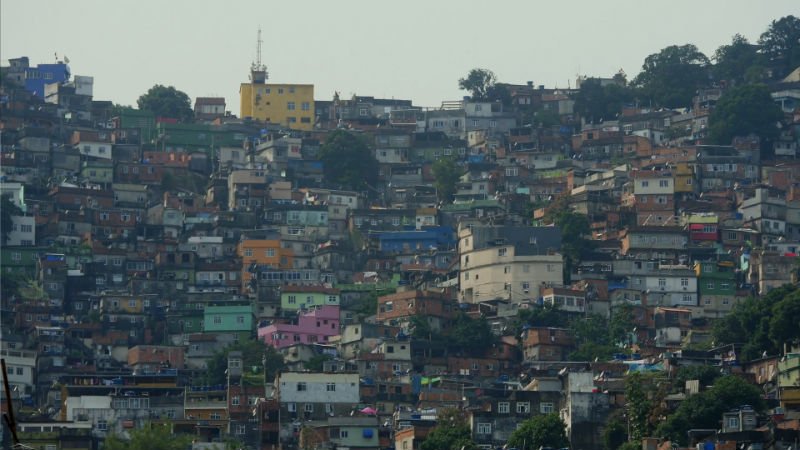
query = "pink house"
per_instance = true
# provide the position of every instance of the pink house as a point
(312, 327)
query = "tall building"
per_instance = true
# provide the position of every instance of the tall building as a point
(287, 104)
(36, 78)
(509, 263)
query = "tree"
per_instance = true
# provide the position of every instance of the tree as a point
(591, 338)
(745, 110)
(738, 61)
(151, 437)
(706, 375)
(596, 103)
(670, 77)
(7, 210)
(470, 334)
(420, 328)
(614, 434)
(446, 173)
(254, 354)
(781, 44)
(546, 430)
(704, 410)
(621, 324)
(315, 364)
(348, 162)
(450, 433)
(638, 406)
(166, 101)
(479, 82)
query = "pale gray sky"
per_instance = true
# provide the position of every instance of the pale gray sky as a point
(413, 49)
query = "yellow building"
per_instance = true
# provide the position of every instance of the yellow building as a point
(291, 105)
(684, 178)
(263, 252)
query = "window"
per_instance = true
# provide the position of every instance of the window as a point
(26, 228)
(733, 422)
(330, 387)
(102, 425)
(305, 106)
(526, 285)
(684, 282)
(663, 183)
(290, 106)
(523, 407)
(241, 428)
(292, 299)
(131, 303)
(503, 407)
(546, 408)
(215, 416)
(645, 183)
(308, 407)
(484, 428)
(502, 251)
(20, 371)
(235, 400)
(662, 283)
(270, 253)
(240, 319)
(301, 386)
(16, 256)
(710, 285)
(332, 299)
(343, 434)
(248, 252)
(291, 407)
(217, 320)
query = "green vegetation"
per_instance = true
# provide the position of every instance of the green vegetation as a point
(450, 433)
(596, 103)
(348, 162)
(151, 437)
(254, 354)
(447, 173)
(482, 85)
(546, 430)
(166, 101)
(781, 44)
(671, 77)
(704, 410)
(745, 110)
(763, 324)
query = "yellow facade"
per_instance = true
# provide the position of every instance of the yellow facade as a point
(291, 105)
(684, 178)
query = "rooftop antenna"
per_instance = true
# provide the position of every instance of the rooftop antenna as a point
(258, 71)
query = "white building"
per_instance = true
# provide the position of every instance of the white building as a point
(300, 388)
(23, 231)
(21, 365)
(510, 263)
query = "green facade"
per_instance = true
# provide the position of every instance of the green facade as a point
(228, 319)
(293, 301)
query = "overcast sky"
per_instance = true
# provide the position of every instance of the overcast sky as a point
(410, 49)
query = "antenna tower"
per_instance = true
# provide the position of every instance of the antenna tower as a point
(258, 71)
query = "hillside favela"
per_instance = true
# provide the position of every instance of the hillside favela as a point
(612, 263)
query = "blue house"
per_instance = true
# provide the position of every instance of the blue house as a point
(411, 240)
(35, 78)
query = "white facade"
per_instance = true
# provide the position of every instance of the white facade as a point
(496, 272)
(95, 149)
(21, 365)
(654, 186)
(23, 231)
(301, 387)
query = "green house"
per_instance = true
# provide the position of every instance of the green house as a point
(294, 298)
(230, 319)
(20, 260)
(716, 278)
(98, 171)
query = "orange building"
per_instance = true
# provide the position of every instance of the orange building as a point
(263, 252)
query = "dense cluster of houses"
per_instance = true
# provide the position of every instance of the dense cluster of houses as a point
(140, 248)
